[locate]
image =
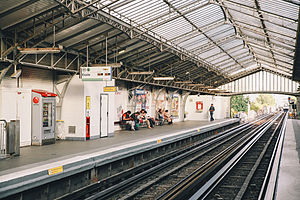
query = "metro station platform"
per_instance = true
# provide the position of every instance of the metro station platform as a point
(31, 167)
(289, 172)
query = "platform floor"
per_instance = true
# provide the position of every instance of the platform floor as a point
(33, 156)
(289, 172)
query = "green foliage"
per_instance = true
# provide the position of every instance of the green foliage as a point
(255, 106)
(239, 103)
(265, 100)
(261, 101)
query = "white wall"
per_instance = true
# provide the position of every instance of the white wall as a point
(94, 89)
(221, 104)
(16, 104)
(72, 109)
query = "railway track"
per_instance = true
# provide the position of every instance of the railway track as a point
(179, 174)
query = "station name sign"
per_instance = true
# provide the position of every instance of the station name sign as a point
(96, 73)
(110, 89)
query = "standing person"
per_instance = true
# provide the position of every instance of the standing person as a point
(211, 111)
(126, 119)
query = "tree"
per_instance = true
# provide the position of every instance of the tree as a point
(239, 103)
(261, 101)
(265, 100)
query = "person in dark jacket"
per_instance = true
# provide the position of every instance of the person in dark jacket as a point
(211, 111)
(126, 119)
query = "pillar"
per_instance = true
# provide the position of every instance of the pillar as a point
(183, 99)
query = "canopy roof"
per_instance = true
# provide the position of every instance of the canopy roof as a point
(204, 41)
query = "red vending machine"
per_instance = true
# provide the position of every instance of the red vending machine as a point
(43, 117)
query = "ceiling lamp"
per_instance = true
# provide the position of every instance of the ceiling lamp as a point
(183, 82)
(196, 84)
(141, 73)
(217, 89)
(122, 51)
(164, 78)
(39, 50)
(107, 65)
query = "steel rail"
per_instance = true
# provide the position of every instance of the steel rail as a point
(219, 139)
(118, 187)
(246, 183)
(80, 192)
(270, 181)
(179, 190)
(205, 190)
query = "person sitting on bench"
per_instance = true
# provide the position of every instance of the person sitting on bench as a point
(160, 117)
(147, 119)
(136, 118)
(167, 117)
(126, 119)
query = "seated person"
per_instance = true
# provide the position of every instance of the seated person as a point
(160, 117)
(146, 118)
(167, 117)
(126, 119)
(135, 116)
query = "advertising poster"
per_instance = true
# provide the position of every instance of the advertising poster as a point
(199, 106)
(175, 106)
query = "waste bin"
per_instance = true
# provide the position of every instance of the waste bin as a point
(13, 137)
(59, 129)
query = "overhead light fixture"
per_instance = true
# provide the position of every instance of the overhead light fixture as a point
(40, 50)
(183, 81)
(216, 89)
(196, 84)
(16, 74)
(107, 65)
(122, 51)
(166, 78)
(141, 72)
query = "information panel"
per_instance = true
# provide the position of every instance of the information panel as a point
(96, 73)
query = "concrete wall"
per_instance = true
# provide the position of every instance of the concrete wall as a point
(15, 103)
(221, 104)
(73, 111)
(74, 108)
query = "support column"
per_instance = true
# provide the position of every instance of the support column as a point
(298, 107)
(182, 106)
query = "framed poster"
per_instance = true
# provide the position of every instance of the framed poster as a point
(199, 106)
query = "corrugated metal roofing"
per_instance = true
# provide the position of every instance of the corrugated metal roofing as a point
(231, 36)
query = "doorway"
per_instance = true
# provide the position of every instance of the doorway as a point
(103, 115)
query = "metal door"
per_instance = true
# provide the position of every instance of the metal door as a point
(103, 115)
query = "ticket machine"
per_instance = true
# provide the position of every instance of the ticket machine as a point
(43, 117)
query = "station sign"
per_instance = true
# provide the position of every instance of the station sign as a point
(96, 73)
(139, 91)
(110, 89)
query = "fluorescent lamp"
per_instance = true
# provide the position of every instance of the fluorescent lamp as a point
(141, 73)
(39, 50)
(107, 65)
(217, 89)
(196, 84)
(166, 78)
(16, 74)
(183, 81)
(122, 51)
